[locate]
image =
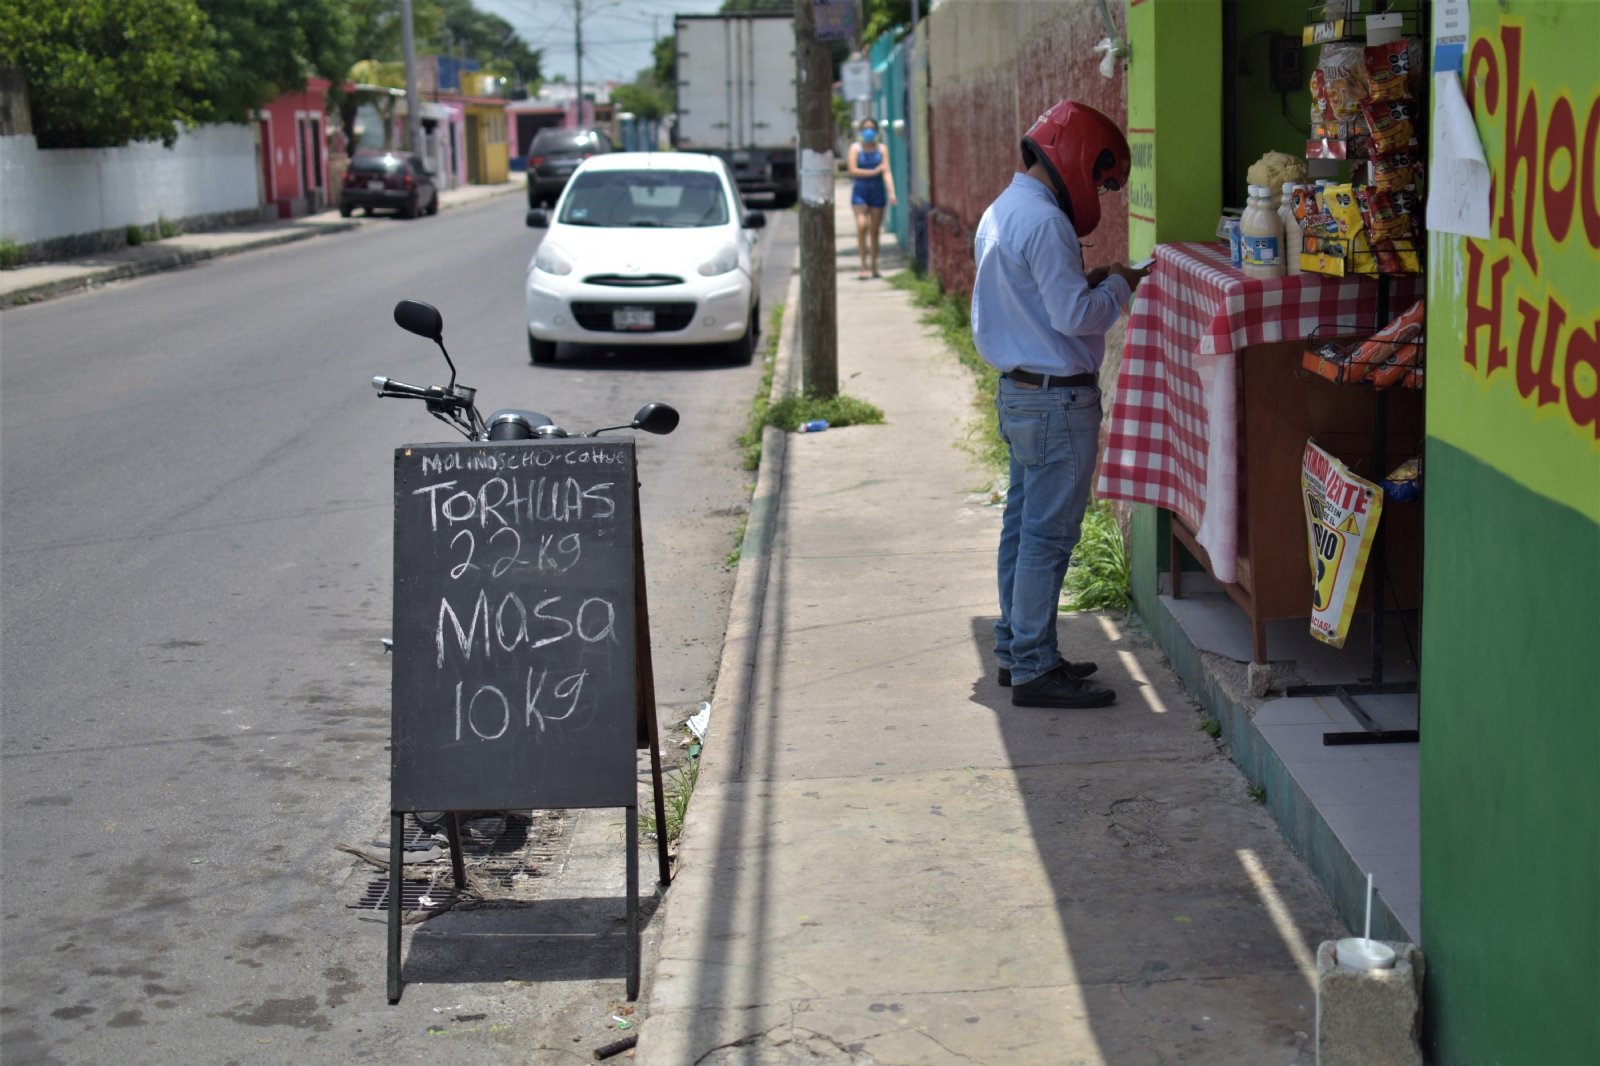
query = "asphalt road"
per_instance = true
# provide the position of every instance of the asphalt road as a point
(196, 572)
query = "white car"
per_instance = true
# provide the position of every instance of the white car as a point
(646, 248)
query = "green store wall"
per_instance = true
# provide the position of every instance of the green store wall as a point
(1511, 605)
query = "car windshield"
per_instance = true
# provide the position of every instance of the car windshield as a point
(645, 198)
(377, 164)
(555, 142)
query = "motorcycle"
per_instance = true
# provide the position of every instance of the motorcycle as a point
(456, 405)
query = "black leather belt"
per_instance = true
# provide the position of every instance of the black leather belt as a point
(1048, 381)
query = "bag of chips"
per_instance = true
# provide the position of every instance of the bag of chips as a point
(1344, 80)
(1394, 369)
(1388, 67)
(1393, 259)
(1382, 219)
(1394, 170)
(1390, 124)
(1330, 360)
(1377, 350)
(1404, 482)
(1340, 202)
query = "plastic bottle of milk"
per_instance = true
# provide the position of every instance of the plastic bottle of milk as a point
(1261, 234)
(1293, 235)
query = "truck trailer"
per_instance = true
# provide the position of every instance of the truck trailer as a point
(736, 97)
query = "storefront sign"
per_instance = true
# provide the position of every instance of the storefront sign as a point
(1514, 324)
(1142, 175)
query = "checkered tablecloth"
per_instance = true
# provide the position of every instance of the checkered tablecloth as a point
(1173, 436)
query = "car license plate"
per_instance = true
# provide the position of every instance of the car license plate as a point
(624, 319)
(375, 184)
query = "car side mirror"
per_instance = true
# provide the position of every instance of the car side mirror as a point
(755, 220)
(538, 218)
(424, 320)
(656, 418)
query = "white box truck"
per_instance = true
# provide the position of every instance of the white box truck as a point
(736, 97)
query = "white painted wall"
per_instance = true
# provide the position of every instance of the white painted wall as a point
(62, 192)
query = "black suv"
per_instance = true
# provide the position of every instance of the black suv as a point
(554, 155)
(393, 181)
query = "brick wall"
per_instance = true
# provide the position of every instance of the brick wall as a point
(994, 66)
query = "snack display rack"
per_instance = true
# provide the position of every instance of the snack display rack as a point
(1377, 565)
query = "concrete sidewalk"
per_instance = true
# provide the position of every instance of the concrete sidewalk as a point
(885, 862)
(40, 281)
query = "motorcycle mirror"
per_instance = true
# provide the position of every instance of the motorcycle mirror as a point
(657, 418)
(424, 320)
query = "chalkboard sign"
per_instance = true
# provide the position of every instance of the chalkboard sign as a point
(517, 606)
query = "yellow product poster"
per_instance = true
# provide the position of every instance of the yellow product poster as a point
(1341, 519)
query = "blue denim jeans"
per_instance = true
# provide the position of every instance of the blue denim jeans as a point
(1054, 436)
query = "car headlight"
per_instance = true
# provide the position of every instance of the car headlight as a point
(726, 259)
(551, 260)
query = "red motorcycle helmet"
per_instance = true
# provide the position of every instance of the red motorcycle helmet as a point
(1084, 152)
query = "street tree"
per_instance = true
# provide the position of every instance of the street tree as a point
(102, 73)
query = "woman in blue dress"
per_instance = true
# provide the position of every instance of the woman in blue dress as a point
(868, 163)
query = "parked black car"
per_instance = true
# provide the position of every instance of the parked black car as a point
(555, 154)
(388, 181)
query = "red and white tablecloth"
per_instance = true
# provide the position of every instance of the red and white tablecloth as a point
(1173, 437)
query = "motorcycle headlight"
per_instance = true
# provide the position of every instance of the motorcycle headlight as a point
(551, 260)
(726, 259)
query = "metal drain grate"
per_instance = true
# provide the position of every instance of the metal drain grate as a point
(376, 895)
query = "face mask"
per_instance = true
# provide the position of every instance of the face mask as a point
(869, 134)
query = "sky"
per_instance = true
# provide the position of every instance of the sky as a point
(617, 34)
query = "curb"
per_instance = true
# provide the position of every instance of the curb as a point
(156, 265)
(61, 286)
(730, 695)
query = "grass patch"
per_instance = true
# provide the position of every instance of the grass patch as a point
(732, 558)
(952, 316)
(166, 227)
(679, 787)
(791, 412)
(750, 439)
(1257, 793)
(1100, 571)
(1210, 727)
(10, 254)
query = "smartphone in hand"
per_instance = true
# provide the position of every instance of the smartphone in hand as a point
(1143, 264)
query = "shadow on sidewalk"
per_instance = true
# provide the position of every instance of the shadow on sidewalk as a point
(580, 939)
(1143, 828)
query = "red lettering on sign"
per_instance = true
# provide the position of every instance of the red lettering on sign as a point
(1479, 315)
(1529, 375)
(1561, 134)
(1584, 349)
(1522, 147)
(1586, 194)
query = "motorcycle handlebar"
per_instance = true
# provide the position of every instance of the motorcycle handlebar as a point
(434, 393)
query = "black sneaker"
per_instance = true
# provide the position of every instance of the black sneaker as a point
(1058, 688)
(1077, 670)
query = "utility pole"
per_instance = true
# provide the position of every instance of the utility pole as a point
(408, 45)
(577, 32)
(819, 326)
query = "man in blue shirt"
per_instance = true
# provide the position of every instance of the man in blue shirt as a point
(1041, 320)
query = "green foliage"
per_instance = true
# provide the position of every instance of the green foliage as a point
(679, 787)
(1257, 793)
(881, 16)
(105, 72)
(644, 98)
(731, 560)
(1210, 727)
(134, 236)
(262, 48)
(11, 254)
(489, 39)
(841, 410)
(165, 227)
(952, 316)
(664, 54)
(750, 439)
(1099, 573)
